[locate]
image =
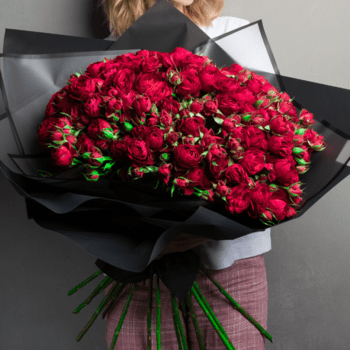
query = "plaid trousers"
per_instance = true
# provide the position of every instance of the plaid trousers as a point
(245, 281)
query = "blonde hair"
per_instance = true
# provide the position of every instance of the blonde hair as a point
(121, 14)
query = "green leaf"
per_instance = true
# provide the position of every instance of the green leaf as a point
(247, 117)
(108, 166)
(297, 150)
(218, 120)
(128, 126)
(258, 103)
(300, 131)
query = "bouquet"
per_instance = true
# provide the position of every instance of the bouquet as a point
(154, 112)
(126, 221)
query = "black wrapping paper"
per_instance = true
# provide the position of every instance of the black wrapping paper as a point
(127, 224)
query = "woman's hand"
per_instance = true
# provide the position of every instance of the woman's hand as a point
(181, 243)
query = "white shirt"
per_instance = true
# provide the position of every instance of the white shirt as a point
(217, 255)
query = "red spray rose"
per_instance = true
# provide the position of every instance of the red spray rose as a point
(62, 156)
(187, 156)
(138, 153)
(253, 161)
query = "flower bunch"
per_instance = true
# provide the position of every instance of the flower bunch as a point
(214, 132)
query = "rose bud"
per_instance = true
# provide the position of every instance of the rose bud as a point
(136, 173)
(210, 107)
(95, 158)
(221, 189)
(294, 190)
(92, 175)
(71, 139)
(165, 118)
(164, 172)
(208, 195)
(100, 127)
(64, 124)
(290, 212)
(315, 140)
(266, 216)
(302, 169)
(142, 105)
(306, 118)
(152, 120)
(298, 140)
(172, 138)
(184, 112)
(196, 106)
(189, 140)
(284, 106)
(57, 136)
(113, 106)
(44, 131)
(182, 184)
(61, 156)
(173, 77)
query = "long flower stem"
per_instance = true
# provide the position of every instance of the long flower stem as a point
(106, 282)
(149, 315)
(158, 315)
(121, 320)
(97, 312)
(178, 321)
(177, 330)
(195, 284)
(194, 320)
(212, 320)
(112, 300)
(240, 309)
(82, 284)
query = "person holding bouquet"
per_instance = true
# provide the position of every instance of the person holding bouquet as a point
(238, 265)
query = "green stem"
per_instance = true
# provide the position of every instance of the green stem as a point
(113, 300)
(195, 284)
(178, 321)
(106, 282)
(158, 315)
(177, 331)
(149, 315)
(240, 309)
(82, 284)
(121, 320)
(228, 345)
(97, 312)
(194, 320)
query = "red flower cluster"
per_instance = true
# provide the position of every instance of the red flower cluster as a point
(224, 133)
